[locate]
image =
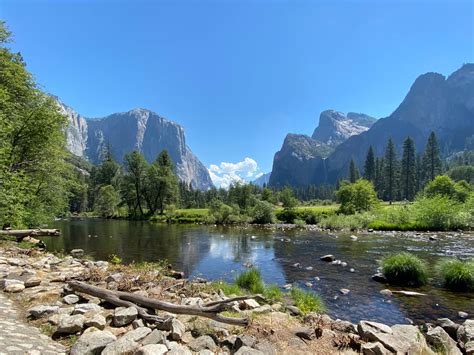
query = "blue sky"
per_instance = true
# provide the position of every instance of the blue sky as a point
(238, 75)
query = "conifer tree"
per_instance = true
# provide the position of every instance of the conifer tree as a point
(369, 166)
(431, 159)
(379, 177)
(354, 174)
(408, 170)
(390, 172)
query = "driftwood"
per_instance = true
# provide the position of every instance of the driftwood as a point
(144, 304)
(20, 234)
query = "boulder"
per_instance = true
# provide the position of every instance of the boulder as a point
(77, 253)
(293, 310)
(368, 330)
(125, 346)
(42, 311)
(98, 321)
(152, 349)
(136, 334)
(70, 324)
(71, 299)
(465, 336)
(449, 326)
(344, 326)
(82, 308)
(177, 329)
(201, 343)
(245, 350)
(249, 304)
(155, 337)
(178, 349)
(374, 348)
(379, 277)
(328, 258)
(266, 347)
(32, 282)
(440, 340)
(91, 343)
(124, 316)
(244, 340)
(305, 333)
(14, 287)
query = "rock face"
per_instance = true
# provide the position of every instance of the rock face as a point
(137, 129)
(262, 180)
(433, 103)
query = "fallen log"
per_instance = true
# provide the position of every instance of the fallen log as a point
(144, 304)
(20, 234)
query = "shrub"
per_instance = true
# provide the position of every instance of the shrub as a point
(359, 196)
(438, 212)
(307, 301)
(273, 293)
(443, 185)
(250, 280)
(404, 269)
(262, 213)
(287, 215)
(387, 226)
(221, 213)
(115, 259)
(352, 222)
(463, 172)
(227, 288)
(458, 275)
(107, 201)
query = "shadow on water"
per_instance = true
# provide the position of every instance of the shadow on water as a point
(219, 253)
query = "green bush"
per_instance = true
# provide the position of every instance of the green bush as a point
(443, 185)
(273, 293)
(307, 301)
(458, 275)
(404, 269)
(287, 215)
(359, 196)
(220, 213)
(262, 213)
(438, 212)
(250, 280)
(352, 222)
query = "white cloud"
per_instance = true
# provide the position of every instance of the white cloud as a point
(224, 174)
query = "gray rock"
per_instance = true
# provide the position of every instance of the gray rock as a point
(114, 277)
(77, 253)
(92, 343)
(244, 340)
(155, 337)
(205, 352)
(124, 316)
(379, 277)
(14, 287)
(344, 326)
(70, 324)
(82, 308)
(42, 311)
(32, 282)
(152, 349)
(137, 323)
(463, 315)
(97, 321)
(245, 350)
(465, 336)
(229, 342)
(328, 258)
(202, 342)
(266, 347)
(368, 330)
(449, 326)
(71, 299)
(374, 349)
(137, 334)
(177, 349)
(305, 333)
(439, 339)
(177, 329)
(121, 346)
(294, 311)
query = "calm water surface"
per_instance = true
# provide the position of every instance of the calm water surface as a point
(219, 253)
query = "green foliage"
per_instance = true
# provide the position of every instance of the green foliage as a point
(438, 212)
(458, 275)
(463, 172)
(220, 213)
(262, 213)
(356, 197)
(250, 280)
(408, 170)
(227, 288)
(115, 259)
(273, 293)
(287, 198)
(431, 159)
(107, 201)
(33, 173)
(405, 269)
(390, 172)
(370, 165)
(354, 174)
(307, 302)
(352, 222)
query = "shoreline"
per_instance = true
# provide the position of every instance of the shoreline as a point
(38, 281)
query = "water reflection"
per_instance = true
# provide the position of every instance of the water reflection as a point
(220, 253)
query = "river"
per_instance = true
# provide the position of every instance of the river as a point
(220, 253)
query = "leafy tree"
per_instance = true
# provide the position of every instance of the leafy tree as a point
(33, 172)
(262, 213)
(354, 174)
(443, 185)
(107, 201)
(431, 159)
(369, 166)
(161, 184)
(134, 180)
(287, 198)
(408, 171)
(463, 172)
(390, 171)
(356, 197)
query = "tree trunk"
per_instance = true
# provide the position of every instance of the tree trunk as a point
(142, 304)
(19, 234)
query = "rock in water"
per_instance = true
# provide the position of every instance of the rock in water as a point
(328, 258)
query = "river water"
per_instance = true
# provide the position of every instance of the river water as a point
(220, 253)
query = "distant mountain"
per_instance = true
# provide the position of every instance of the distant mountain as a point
(138, 129)
(262, 180)
(297, 163)
(433, 103)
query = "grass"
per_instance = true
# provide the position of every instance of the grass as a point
(250, 280)
(458, 275)
(227, 288)
(306, 301)
(273, 293)
(405, 269)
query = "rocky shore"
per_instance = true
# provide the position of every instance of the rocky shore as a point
(37, 282)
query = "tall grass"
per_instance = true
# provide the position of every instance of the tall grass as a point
(250, 280)
(458, 275)
(307, 301)
(405, 269)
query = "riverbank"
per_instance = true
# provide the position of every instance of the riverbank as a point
(38, 281)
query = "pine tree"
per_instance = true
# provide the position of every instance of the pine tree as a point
(408, 171)
(379, 177)
(390, 172)
(369, 166)
(431, 159)
(354, 174)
